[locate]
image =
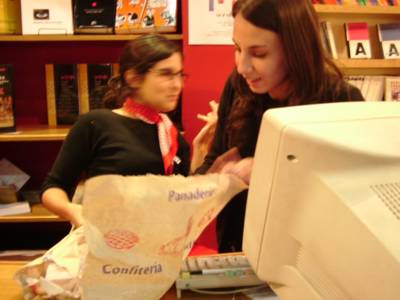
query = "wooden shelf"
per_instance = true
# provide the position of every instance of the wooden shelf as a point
(356, 9)
(39, 214)
(80, 37)
(368, 63)
(35, 133)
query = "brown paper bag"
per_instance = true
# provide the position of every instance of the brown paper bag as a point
(140, 228)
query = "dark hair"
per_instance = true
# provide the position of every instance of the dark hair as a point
(311, 72)
(140, 55)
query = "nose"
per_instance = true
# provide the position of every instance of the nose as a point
(243, 64)
(177, 81)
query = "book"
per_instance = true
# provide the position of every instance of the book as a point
(375, 89)
(146, 15)
(10, 17)
(62, 94)
(8, 194)
(98, 77)
(371, 87)
(92, 85)
(94, 16)
(392, 88)
(46, 17)
(7, 103)
(328, 39)
(16, 208)
(357, 36)
(389, 36)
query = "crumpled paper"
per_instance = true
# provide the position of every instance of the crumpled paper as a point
(57, 273)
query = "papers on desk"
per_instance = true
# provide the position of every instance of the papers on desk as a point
(11, 181)
(11, 175)
(15, 208)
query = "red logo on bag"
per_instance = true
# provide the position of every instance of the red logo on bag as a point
(121, 239)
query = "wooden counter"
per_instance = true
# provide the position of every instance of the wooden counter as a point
(10, 289)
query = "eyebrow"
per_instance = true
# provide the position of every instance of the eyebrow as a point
(254, 47)
(166, 69)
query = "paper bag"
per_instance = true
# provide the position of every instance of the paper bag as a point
(56, 274)
(140, 228)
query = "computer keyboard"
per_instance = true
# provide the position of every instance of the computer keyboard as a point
(216, 271)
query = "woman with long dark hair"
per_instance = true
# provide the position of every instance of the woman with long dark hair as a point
(280, 62)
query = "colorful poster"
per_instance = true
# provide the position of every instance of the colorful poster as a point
(210, 22)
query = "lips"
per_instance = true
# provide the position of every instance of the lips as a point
(253, 81)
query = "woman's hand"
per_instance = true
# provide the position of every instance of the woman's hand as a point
(56, 200)
(241, 169)
(232, 163)
(203, 139)
(75, 214)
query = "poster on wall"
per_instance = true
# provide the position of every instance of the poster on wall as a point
(210, 22)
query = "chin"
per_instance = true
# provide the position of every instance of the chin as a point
(258, 90)
(168, 108)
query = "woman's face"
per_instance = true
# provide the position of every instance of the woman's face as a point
(162, 85)
(260, 59)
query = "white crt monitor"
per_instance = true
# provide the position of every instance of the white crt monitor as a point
(323, 211)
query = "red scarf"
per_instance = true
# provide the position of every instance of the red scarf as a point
(167, 132)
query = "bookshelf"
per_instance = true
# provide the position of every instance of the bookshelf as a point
(35, 133)
(356, 9)
(338, 15)
(77, 38)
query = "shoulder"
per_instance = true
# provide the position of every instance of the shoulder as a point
(340, 91)
(97, 114)
(96, 119)
(349, 92)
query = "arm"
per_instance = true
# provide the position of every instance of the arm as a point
(219, 145)
(56, 200)
(71, 161)
(201, 142)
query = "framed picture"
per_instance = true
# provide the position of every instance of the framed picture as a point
(7, 105)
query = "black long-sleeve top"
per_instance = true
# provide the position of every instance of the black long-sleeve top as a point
(103, 142)
(230, 221)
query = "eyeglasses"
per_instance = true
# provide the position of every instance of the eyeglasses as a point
(168, 75)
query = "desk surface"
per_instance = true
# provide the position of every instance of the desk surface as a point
(10, 290)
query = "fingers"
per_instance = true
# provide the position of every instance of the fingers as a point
(212, 115)
(204, 118)
(231, 156)
(214, 106)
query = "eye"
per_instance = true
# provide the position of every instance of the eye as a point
(260, 54)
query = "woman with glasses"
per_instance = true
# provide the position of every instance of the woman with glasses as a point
(135, 137)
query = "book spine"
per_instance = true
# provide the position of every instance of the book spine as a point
(50, 95)
(7, 103)
(98, 77)
(67, 98)
(83, 89)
